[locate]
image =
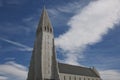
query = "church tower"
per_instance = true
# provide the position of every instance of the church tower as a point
(43, 64)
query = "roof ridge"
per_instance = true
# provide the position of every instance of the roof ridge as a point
(74, 65)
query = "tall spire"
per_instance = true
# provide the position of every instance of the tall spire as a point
(43, 65)
(44, 23)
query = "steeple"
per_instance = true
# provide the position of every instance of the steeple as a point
(43, 65)
(44, 24)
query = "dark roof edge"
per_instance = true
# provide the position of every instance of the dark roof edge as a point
(74, 65)
(93, 70)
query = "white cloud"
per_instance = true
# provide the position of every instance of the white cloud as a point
(53, 12)
(13, 71)
(9, 59)
(88, 26)
(23, 47)
(28, 19)
(58, 13)
(110, 75)
(3, 78)
(70, 8)
(67, 8)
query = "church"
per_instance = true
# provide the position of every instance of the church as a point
(44, 65)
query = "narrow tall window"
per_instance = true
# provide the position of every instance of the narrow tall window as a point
(84, 78)
(50, 30)
(79, 78)
(75, 77)
(70, 78)
(64, 77)
(45, 28)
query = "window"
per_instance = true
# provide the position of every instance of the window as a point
(84, 78)
(45, 28)
(64, 77)
(50, 30)
(75, 77)
(70, 78)
(79, 78)
(39, 30)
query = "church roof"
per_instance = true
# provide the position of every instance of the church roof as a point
(77, 70)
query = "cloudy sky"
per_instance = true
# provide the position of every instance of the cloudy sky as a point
(87, 33)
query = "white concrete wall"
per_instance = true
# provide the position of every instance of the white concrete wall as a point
(47, 52)
(76, 77)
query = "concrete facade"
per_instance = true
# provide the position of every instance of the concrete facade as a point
(43, 64)
(64, 76)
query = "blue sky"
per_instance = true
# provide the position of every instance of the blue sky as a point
(86, 33)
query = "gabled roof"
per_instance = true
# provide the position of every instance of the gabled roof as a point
(76, 70)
